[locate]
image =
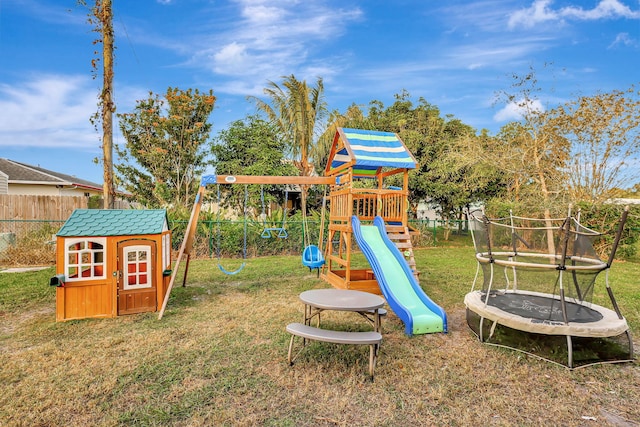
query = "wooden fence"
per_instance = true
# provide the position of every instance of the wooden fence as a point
(33, 207)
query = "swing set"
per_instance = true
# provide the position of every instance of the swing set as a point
(218, 180)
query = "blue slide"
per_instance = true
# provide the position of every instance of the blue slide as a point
(400, 288)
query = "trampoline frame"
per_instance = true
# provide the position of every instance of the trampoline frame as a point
(612, 324)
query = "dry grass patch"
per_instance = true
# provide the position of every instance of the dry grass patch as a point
(218, 357)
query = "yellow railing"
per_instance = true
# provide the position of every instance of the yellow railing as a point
(367, 203)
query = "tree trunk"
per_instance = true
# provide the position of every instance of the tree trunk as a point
(547, 213)
(108, 107)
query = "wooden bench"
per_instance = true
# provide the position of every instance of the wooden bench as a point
(372, 339)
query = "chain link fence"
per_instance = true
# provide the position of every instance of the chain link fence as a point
(33, 242)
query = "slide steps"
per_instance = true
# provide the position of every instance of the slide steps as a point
(401, 237)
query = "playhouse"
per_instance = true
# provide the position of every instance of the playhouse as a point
(111, 262)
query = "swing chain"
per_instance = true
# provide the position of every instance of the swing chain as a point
(219, 234)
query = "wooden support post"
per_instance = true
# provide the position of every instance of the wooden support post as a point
(186, 247)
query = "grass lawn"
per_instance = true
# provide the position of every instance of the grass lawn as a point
(219, 357)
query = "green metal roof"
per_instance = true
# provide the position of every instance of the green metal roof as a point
(114, 222)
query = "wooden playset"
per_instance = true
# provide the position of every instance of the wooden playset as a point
(365, 154)
(355, 154)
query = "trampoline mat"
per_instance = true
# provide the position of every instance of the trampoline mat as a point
(541, 307)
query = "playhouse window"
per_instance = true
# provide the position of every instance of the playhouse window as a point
(137, 273)
(84, 259)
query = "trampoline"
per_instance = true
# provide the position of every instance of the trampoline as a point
(536, 278)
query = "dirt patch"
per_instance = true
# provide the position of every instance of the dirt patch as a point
(10, 322)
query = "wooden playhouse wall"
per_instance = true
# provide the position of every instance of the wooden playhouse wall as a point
(98, 298)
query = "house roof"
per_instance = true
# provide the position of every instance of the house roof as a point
(114, 222)
(22, 173)
(368, 151)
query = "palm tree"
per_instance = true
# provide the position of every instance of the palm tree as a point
(297, 110)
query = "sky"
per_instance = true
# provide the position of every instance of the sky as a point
(457, 55)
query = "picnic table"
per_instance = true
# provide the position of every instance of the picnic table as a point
(318, 300)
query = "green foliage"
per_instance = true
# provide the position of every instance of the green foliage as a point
(295, 109)
(602, 218)
(163, 156)
(250, 147)
(605, 219)
(94, 202)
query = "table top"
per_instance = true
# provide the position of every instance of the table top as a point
(341, 299)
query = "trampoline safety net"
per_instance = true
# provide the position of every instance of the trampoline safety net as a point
(534, 251)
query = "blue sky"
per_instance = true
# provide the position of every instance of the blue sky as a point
(455, 54)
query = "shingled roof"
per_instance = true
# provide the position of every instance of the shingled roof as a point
(114, 222)
(18, 173)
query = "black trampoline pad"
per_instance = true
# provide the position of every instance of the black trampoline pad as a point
(541, 308)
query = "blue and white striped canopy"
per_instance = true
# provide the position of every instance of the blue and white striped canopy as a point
(367, 151)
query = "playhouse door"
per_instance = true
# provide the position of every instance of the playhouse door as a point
(136, 279)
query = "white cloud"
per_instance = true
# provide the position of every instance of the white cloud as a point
(231, 58)
(47, 102)
(538, 12)
(263, 15)
(541, 11)
(53, 111)
(516, 110)
(270, 39)
(623, 39)
(493, 53)
(605, 9)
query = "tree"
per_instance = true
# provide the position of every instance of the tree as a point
(163, 156)
(101, 15)
(455, 178)
(249, 147)
(604, 133)
(582, 150)
(296, 110)
(531, 152)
